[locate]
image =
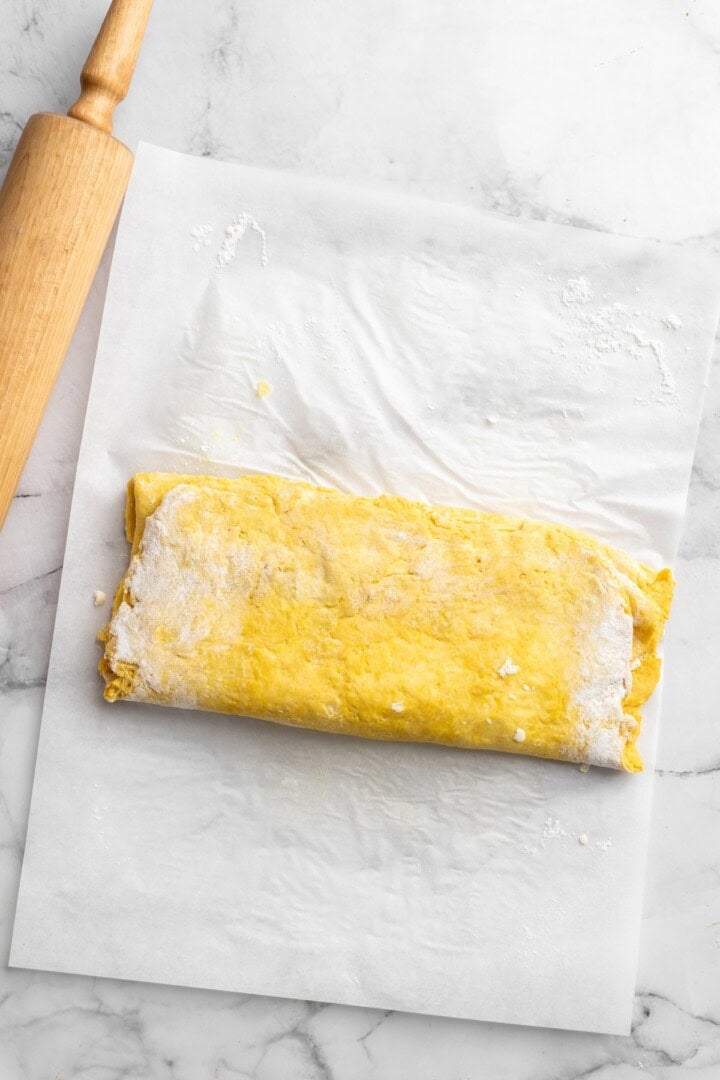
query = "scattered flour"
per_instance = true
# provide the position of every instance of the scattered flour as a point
(201, 235)
(605, 328)
(99, 598)
(672, 322)
(508, 668)
(519, 735)
(234, 232)
(666, 380)
(553, 829)
(577, 291)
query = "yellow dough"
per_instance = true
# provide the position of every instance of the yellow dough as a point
(383, 618)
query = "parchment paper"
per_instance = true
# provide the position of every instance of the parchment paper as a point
(411, 347)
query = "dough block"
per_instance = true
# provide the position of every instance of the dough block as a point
(384, 618)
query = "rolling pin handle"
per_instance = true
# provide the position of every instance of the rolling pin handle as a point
(106, 76)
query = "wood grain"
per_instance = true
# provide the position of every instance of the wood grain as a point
(58, 204)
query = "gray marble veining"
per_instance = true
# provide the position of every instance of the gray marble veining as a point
(601, 115)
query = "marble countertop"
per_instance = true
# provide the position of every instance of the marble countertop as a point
(601, 115)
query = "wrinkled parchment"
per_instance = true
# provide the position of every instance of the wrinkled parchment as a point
(409, 347)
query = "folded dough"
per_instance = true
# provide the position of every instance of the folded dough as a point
(383, 618)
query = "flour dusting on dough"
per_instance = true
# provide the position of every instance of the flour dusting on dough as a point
(169, 585)
(605, 646)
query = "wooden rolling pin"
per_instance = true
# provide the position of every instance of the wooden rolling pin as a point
(58, 204)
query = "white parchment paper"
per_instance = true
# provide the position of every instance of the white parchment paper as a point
(411, 347)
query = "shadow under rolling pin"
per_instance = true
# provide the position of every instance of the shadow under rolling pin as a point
(58, 204)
